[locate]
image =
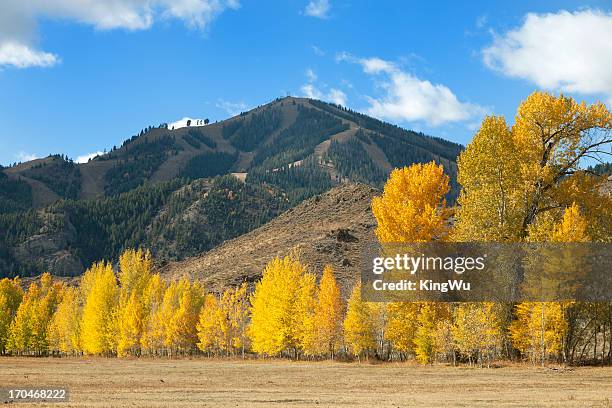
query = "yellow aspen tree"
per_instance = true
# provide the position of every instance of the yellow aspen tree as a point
(443, 340)
(553, 134)
(430, 316)
(97, 331)
(304, 317)
(329, 313)
(359, 327)
(169, 308)
(11, 295)
(210, 326)
(225, 324)
(21, 330)
(278, 308)
(183, 336)
(539, 171)
(64, 328)
(424, 339)
(30, 326)
(539, 329)
(237, 309)
(134, 271)
(134, 275)
(152, 339)
(402, 326)
(44, 307)
(130, 324)
(490, 208)
(412, 207)
(477, 330)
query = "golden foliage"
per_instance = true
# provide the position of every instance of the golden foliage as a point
(282, 302)
(359, 326)
(412, 207)
(100, 298)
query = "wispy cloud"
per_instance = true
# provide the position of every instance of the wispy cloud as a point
(22, 56)
(310, 90)
(18, 21)
(481, 21)
(318, 51)
(310, 74)
(405, 97)
(317, 8)
(25, 157)
(86, 157)
(232, 108)
(566, 51)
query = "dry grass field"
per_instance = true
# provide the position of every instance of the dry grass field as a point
(99, 382)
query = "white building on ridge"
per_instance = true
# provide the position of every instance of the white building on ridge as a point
(187, 122)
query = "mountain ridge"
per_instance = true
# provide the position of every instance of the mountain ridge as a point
(183, 147)
(216, 182)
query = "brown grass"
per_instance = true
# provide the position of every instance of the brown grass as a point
(98, 382)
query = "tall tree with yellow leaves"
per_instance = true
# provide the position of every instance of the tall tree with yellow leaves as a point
(21, 330)
(412, 207)
(64, 329)
(181, 331)
(490, 207)
(402, 326)
(134, 276)
(539, 329)
(280, 305)
(235, 302)
(212, 326)
(30, 326)
(359, 325)
(152, 339)
(100, 301)
(477, 330)
(11, 295)
(430, 316)
(539, 173)
(329, 314)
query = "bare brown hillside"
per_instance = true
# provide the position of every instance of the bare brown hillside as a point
(329, 228)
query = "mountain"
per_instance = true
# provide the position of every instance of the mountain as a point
(330, 228)
(171, 190)
(288, 139)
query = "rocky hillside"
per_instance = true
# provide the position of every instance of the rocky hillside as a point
(175, 219)
(330, 228)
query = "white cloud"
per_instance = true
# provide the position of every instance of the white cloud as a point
(309, 90)
(317, 8)
(334, 95)
(232, 108)
(565, 51)
(25, 157)
(409, 98)
(310, 74)
(18, 20)
(318, 51)
(482, 21)
(86, 157)
(22, 56)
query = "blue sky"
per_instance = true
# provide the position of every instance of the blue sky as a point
(78, 76)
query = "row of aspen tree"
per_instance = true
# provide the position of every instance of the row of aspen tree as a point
(287, 314)
(519, 183)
